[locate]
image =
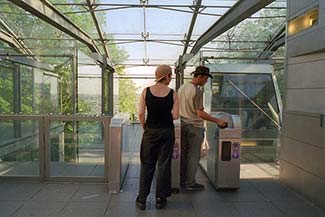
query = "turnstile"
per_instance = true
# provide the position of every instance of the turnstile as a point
(176, 157)
(223, 158)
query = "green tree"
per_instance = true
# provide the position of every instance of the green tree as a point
(261, 29)
(26, 90)
(6, 90)
(127, 94)
(28, 26)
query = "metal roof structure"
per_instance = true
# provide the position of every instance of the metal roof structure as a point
(149, 32)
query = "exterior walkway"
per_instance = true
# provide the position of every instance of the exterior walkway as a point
(257, 197)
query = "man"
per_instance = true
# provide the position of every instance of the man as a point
(192, 126)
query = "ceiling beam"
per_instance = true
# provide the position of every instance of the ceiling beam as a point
(4, 36)
(148, 40)
(8, 36)
(190, 30)
(48, 13)
(99, 31)
(239, 12)
(154, 5)
(277, 40)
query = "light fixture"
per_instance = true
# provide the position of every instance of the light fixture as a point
(302, 22)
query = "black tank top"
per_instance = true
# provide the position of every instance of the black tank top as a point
(159, 110)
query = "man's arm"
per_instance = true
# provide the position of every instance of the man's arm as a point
(198, 104)
(205, 116)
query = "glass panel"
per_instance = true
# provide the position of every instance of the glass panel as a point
(50, 95)
(6, 89)
(66, 88)
(27, 90)
(105, 92)
(89, 85)
(39, 36)
(76, 149)
(19, 148)
(259, 133)
(26, 74)
(131, 138)
(38, 81)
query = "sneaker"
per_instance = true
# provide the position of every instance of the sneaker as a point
(141, 203)
(195, 187)
(161, 202)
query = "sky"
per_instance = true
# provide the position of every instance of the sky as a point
(145, 70)
(158, 24)
(170, 25)
(90, 82)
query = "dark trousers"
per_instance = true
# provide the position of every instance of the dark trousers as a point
(156, 146)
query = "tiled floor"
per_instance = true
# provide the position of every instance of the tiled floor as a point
(257, 197)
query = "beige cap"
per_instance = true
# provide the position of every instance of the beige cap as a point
(162, 71)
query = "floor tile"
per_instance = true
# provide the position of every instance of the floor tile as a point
(19, 191)
(56, 192)
(298, 208)
(260, 209)
(7, 208)
(84, 209)
(258, 197)
(126, 209)
(92, 192)
(40, 209)
(216, 209)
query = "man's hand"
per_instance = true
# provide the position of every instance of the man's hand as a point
(222, 124)
(205, 116)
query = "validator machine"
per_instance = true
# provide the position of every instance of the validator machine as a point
(223, 156)
(176, 158)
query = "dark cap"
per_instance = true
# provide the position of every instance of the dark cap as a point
(202, 70)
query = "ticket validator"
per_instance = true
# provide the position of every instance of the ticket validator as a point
(223, 157)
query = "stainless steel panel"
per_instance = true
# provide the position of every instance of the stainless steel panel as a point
(176, 157)
(223, 159)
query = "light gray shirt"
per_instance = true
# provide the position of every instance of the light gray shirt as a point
(190, 100)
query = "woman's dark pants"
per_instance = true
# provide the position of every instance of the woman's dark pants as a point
(156, 146)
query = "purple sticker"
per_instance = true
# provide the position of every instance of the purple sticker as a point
(235, 150)
(175, 154)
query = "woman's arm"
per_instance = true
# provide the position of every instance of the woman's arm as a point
(142, 108)
(175, 111)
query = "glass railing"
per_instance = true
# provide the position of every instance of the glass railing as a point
(76, 148)
(54, 147)
(19, 146)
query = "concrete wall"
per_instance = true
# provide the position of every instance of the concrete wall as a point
(302, 161)
(310, 40)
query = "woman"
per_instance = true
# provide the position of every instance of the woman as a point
(161, 103)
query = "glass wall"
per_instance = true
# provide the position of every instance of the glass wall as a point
(24, 90)
(27, 89)
(253, 98)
